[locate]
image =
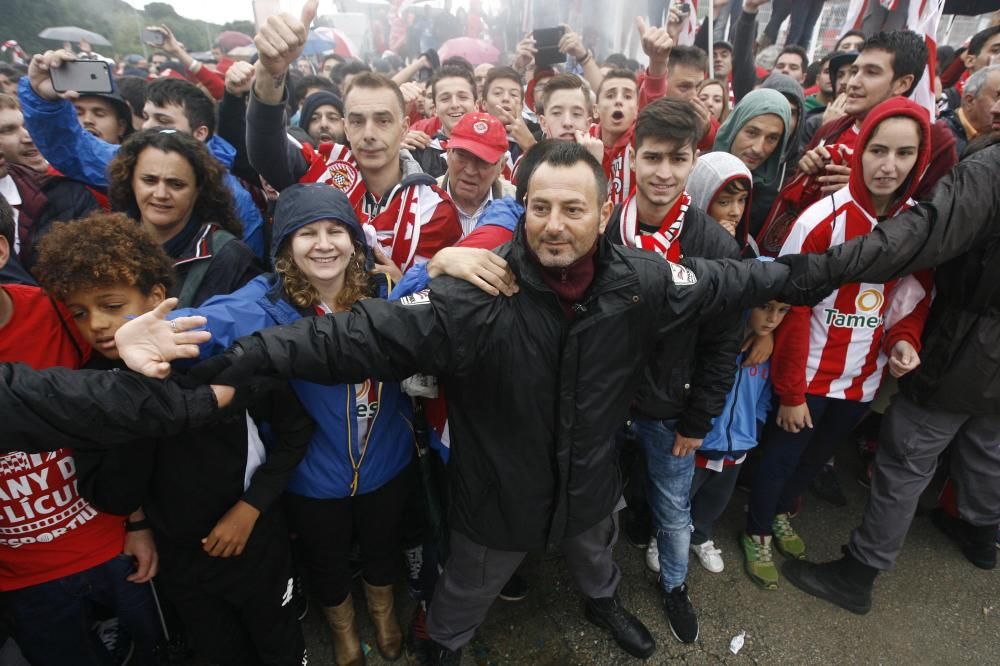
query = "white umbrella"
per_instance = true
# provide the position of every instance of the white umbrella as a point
(70, 33)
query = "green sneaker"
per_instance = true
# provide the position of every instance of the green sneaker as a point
(758, 561)
(789, 543)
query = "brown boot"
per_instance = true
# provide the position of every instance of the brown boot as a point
(346, 645)
(388, 636)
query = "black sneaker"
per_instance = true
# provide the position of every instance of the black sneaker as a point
(516, 589)
(681, 617)
(630, 634)
(826, 486)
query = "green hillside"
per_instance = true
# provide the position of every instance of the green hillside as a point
(116, 20)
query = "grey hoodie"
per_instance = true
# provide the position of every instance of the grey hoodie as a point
(711, 173)
(790, 88)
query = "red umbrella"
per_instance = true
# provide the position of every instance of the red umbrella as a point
(230, 39)
(475, 51)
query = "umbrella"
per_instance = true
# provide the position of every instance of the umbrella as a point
(70, 33)
(342, 46)
(318, 43)
(475, 51)
(228, 40)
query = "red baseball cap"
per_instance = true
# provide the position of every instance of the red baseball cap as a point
(481, 134)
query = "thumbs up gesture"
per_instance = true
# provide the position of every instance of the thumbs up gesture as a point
(281, 40)
(656, 42)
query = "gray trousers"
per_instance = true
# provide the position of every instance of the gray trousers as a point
(912, 437)
(474, 575)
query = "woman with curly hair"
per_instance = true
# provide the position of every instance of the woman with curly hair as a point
(208, 494)
(354, 481)
(172, 185)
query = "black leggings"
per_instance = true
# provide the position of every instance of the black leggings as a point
(328, 527)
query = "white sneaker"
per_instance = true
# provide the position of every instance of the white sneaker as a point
(653, 556)
(709, 556)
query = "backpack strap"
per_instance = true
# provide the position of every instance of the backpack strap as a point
(196, 274)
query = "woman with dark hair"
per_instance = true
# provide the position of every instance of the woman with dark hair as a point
(175, 189)
(353, 480)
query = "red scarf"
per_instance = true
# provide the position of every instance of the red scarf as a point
(665, 241)
(619, 164)
(398, 224)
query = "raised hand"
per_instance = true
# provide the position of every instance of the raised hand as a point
(148, 344)
(38, 74)
(279, 44)
(572, 44)
(239, 78)
(656, 42)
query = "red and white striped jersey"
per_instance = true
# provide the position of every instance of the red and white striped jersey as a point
(838, 348)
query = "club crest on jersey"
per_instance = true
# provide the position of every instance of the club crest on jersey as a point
(419, 298)
(343, 175)
(681, 275)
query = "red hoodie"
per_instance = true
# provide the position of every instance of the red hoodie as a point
(838, 348)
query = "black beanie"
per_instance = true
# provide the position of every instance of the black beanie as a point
(316, 100)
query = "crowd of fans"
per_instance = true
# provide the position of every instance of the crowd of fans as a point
(495, 232)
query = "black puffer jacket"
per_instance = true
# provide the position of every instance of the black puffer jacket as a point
(957, 230)
(533, 399)
(691, 372)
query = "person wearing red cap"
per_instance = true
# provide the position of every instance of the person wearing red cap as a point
(476, 157)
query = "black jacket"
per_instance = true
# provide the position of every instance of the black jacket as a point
(228, 269)
(186, 482)
(691, 372)
(534, 400)
(956, 230)
(45, 410)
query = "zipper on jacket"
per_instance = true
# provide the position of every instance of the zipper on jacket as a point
(732, 410)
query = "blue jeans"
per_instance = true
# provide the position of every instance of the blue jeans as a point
(52, 621)
(669, 497)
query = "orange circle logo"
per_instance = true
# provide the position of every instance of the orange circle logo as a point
(869, 300)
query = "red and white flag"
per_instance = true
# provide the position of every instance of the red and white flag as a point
(922, 17)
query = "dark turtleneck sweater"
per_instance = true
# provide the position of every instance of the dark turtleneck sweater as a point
(570, 283)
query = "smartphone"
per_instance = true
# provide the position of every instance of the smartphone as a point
(153, 37)
(83, 76)
(547, 45)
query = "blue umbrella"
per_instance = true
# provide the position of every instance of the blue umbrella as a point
(317, 44)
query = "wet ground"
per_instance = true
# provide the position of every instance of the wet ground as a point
(934, 608)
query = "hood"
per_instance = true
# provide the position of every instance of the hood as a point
(222, 150)
(895, 106)
(757, 103)
(305, 203)
(711, 173)
(791, 89)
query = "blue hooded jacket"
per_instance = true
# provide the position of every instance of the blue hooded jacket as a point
(326, 471)
(79, 155)
(734, 431)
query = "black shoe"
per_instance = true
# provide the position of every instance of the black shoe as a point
(630, 634)
(827, 487)
(439, 655)
(845, 582)
(681, 617)
(516, 589)
(978, 543)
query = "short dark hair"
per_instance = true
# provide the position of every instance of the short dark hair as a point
(332, 56)
(797, 50)
(737, 185)
(908, 50)
(347, 68)
(526, 165)
(9, 72)
(979, 39)
(563, 82)
(498, 73)
(7, 223)
(669, 120)
(453, 72)
(618, 73)
(133, 91)
(812, 73)
(617, 61)
(311, 81)
(567, 154)
(849, 33)
(375, 81)
(687, 56)
(199, 108)
(458, 61)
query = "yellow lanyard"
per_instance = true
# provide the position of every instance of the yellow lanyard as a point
(356, 466)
